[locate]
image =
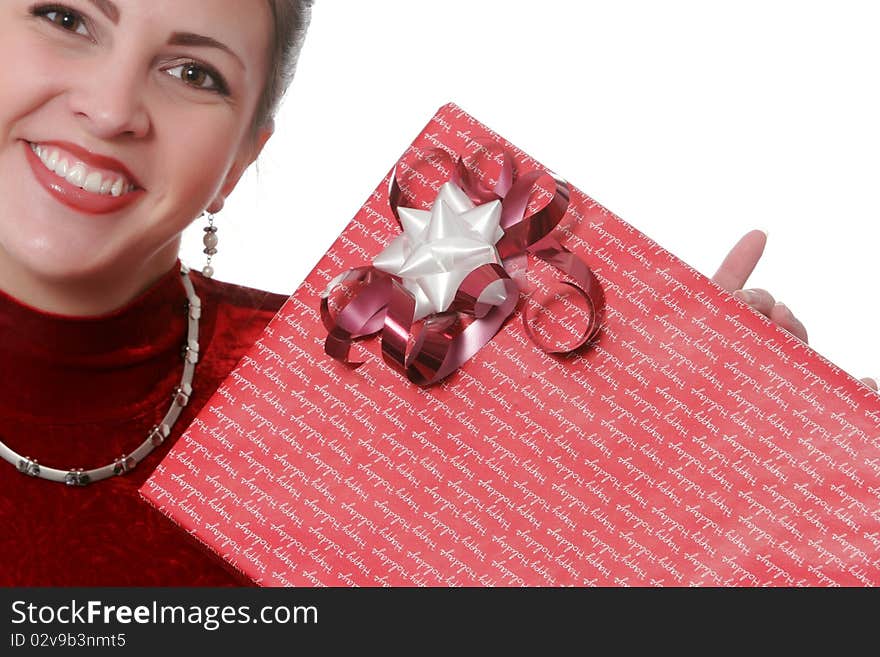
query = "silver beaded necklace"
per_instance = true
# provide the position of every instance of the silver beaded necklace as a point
(157, 435)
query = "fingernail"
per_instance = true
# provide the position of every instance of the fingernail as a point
(785, 309)
(871, 381)
(746, 295)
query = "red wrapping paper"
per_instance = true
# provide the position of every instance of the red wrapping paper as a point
(694, 443)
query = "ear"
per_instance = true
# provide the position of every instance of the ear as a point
(248, 154)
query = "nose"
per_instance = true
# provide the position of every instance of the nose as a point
(109, 100)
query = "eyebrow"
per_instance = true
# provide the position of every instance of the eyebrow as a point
(198, 40)
(111, 11)
(107, 8)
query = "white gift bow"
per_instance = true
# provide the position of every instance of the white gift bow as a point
(438, 249)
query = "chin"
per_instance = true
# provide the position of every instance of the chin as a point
(53, 261)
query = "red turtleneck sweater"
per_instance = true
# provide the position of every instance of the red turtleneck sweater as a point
(80, 392)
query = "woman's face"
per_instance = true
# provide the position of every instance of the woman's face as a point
(148, 104)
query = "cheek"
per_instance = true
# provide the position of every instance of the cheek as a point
(195, 151)
(28, 75)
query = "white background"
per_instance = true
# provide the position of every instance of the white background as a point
(693, 121)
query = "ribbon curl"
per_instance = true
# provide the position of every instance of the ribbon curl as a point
(442, 290)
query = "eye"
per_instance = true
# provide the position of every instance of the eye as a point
(199, 76)
(66, 19)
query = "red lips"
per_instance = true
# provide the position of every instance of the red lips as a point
(74, 197)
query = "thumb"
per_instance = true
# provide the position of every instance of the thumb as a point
(740, 261)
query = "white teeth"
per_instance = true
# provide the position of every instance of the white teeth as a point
(78, 174)
(92, 182)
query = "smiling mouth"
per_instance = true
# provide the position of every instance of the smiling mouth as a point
(68, 167)
(85, 182)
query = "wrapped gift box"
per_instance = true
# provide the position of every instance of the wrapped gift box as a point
(692, 443)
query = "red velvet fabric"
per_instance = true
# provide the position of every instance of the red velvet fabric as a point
(80, 392)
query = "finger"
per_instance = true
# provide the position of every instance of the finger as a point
(740, 261)
(760, 300)
(871, 383)
(782, 315)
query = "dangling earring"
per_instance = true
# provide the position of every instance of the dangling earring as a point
(210, 240)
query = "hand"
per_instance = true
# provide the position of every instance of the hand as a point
(735, 271)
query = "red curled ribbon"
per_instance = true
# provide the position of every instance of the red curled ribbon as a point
(444, 341)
